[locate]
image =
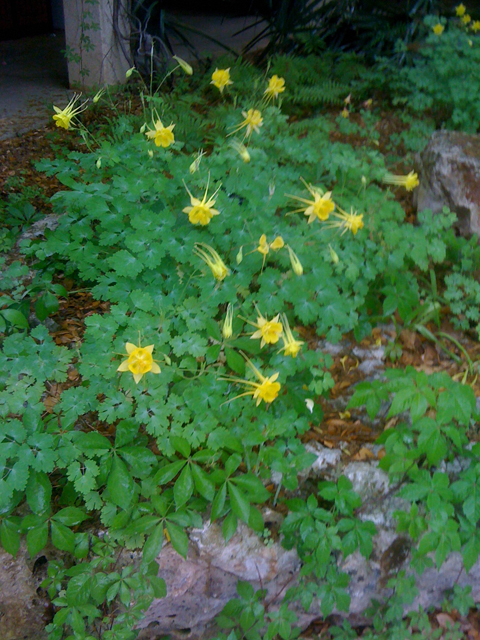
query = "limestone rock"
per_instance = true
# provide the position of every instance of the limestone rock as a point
(199, 587)
(24, 610)
(449, 171)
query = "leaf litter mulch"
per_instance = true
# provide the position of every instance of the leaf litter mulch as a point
(350, 431)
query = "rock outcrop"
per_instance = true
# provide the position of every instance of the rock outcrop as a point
(449, 172)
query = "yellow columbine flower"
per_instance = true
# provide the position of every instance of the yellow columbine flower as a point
(409, 181)
(466, 19)
(352, 221)
(163, 136)
(264, 247)
(184, 65)
(211, 258)
(476, 26)
(201, 211)
(276, 85)
(460, 10)
(267, 389)
(227, 328)
(63, 117)
(241, 149)
(295, 262)
(253, 121)
(221, 78)
(139, 361)
(291, 346)
(438, 29)
(320, 207)
(268, 330)
(345, 112)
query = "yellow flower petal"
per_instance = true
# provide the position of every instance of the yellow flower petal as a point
(130, 347)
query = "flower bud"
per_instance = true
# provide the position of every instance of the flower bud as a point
(310, 404)
(333, 256)
(98, 95)
(129, 72)
(143, 127)
(194, 167)
(239, 257)
(227, 329)
(150, 153)
(98, 163)
(184, 65)
(296, 264)
(241, 149)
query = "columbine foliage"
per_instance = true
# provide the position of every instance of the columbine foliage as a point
(195, 422)
(434, 80)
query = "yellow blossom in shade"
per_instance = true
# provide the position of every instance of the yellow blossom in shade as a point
(253, 121)
(63, 117)
(460, 10)
(409, 181)
(184, 65)
(438, 29)
(345, 113)
(476, 26)
(221, 78)
(266, 389)
(139, 361)
(352, 221)
(291, 346)
(295, 262)
(264, 247)
(163, 136)
(268, 330)
(466, 19)
(201, 211)
(277, 244)
(320, 207)
(227, 328)
(276, 85)
(241, 149)
(211, 258)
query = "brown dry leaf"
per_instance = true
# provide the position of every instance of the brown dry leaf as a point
(329, 444)
(73, 374)
(364, 454)
(408, 359)
(390, 424)
(50, 402)
(381, 454)
(430, 355)
(408, 339)
(444, 620)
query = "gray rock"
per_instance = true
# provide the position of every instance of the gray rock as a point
(23, 611)
(449, 171)
(199, 587)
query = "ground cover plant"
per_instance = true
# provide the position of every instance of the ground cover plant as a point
(219, 235)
